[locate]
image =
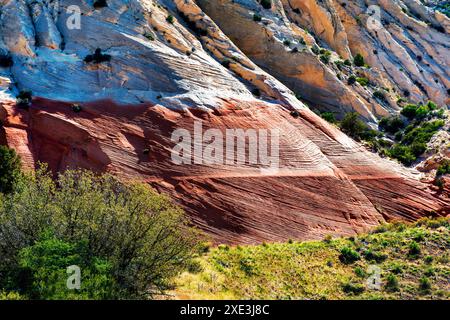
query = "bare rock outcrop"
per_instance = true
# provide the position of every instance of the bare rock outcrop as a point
(109, 96)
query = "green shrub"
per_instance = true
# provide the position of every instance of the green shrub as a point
(414, 249)
(10, 169)
(139, 236)
(380, 96)
(391, 283)
(170, 19)
(444, 168)
(375, 256)
(397, 269)
(360, 272)
(425, 284)
(353, 288)
(402, 153)
(257, 17)
(43, 270)
(315, 49)
(363, 81)
(10, 296)
(356, 128)
(248, 266)
(325, 56)
(351, 80)
(418, 148)
(149, 36)
(391, 124)
(359, 60)
(348, 255)
(422, 133)
(409, 111)
(328, 116)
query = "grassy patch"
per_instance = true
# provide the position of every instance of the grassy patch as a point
(333, 269)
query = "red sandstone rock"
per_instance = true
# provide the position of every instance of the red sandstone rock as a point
(327, 184)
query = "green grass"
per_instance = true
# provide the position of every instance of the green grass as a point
(413, 261)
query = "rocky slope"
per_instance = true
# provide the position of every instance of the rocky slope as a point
(172, 63)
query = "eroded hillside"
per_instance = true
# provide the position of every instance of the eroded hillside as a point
(109, 94)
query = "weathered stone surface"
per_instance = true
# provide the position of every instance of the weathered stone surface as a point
(164, 74)
(327, 184)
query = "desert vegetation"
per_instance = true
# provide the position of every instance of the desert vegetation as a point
(127, 240)
(393, 261)
(403, 137)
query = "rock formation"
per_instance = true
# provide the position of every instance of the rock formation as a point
(109, 95)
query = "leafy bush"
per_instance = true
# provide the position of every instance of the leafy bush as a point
(360, 272)
(359, 60)
(315, 49)
(42, 270)
(328, 116)
(351, 80)
(444, 168)
(425, 284)
(248, 266)
(348, 255)
(170, 19)
(136, 236)
(409, 111)
(391, 283)
(356, 128)
(428, 259)
(375, 256)
(149, 36)
(402, 153)
(325, 56)
(392, 124)
(363, 81)
(355, 288)
(10, 169)
(380, 96)
(257, 17)
(422, 133)
(414, 249)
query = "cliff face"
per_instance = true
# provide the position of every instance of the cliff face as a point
(173, 64)
(405, 44)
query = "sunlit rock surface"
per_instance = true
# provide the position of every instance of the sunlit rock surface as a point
(213, 63)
